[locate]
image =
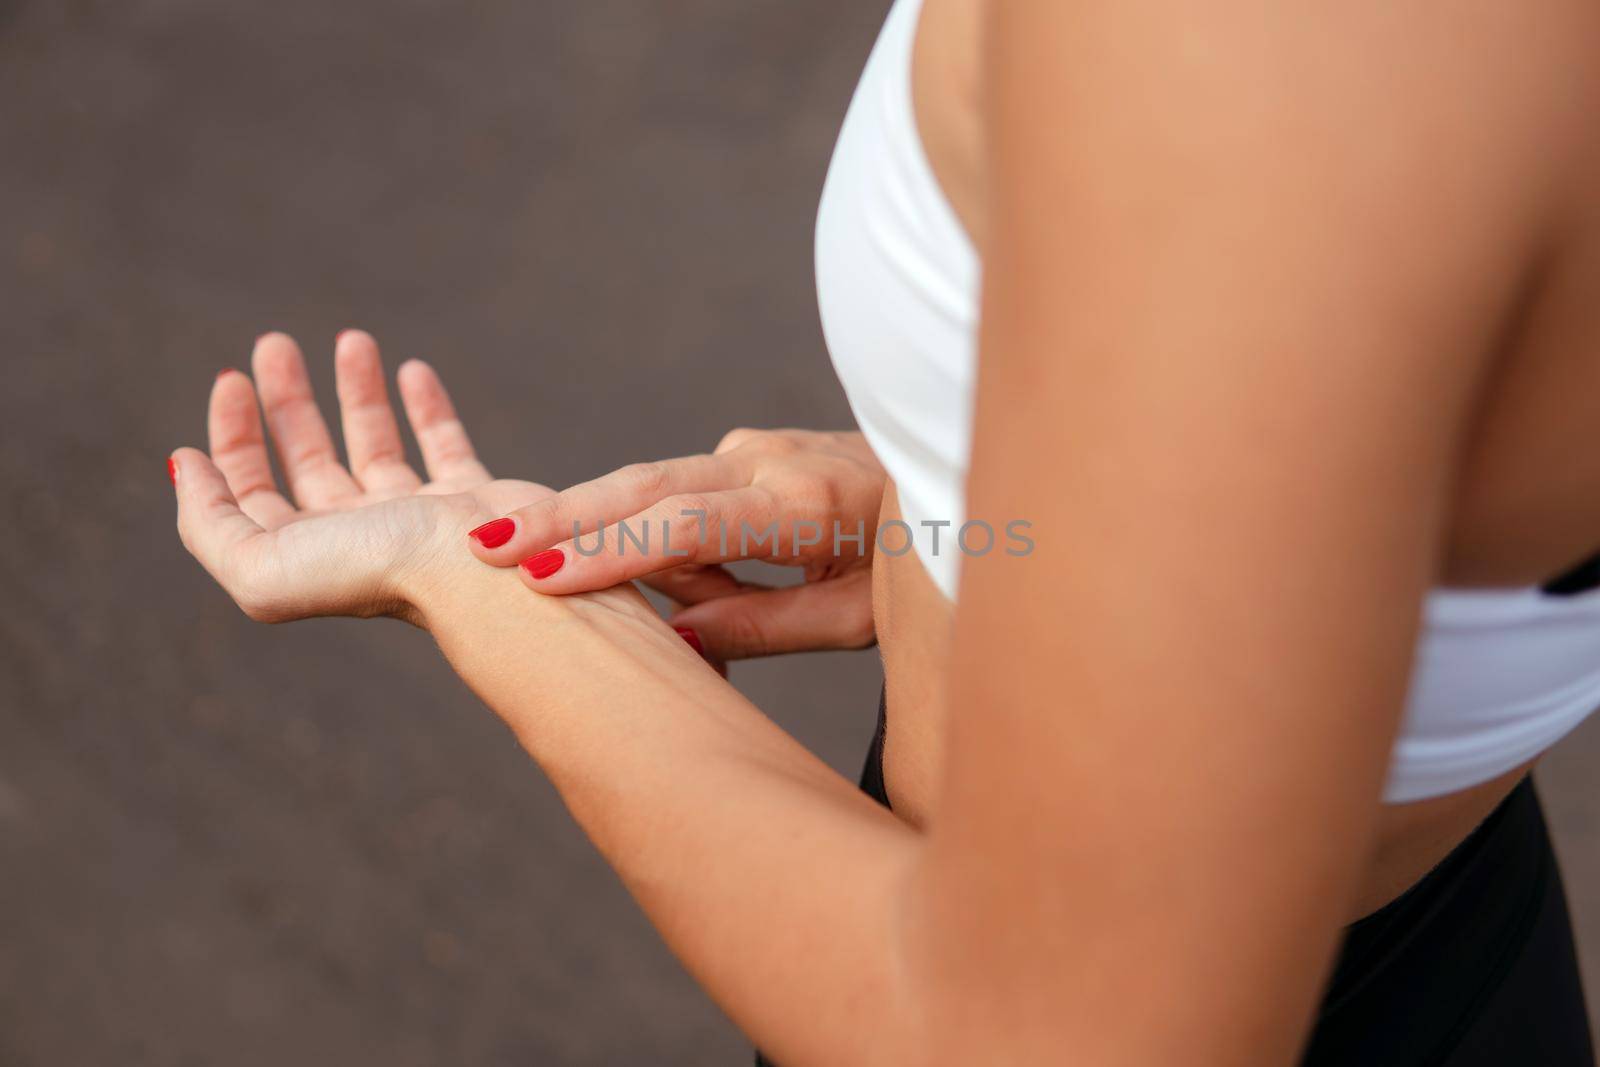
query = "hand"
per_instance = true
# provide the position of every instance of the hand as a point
(353, 541)
(699, 512)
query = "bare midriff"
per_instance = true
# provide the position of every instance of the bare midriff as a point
(1499, 501)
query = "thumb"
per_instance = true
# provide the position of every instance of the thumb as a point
(210, 523)
(832, 614)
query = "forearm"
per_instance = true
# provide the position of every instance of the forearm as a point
(775, 881)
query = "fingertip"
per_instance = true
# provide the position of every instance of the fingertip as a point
(276, 357)
(423, 392)
(494, 533)
(542, 565)
(353, 342)
(355, 354)
(415, 374)
(709, 646)
(691, 617)
(231, 409)
(184, 465)
(229, 378)
(691, 639)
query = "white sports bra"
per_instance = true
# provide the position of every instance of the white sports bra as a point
(1499, 675)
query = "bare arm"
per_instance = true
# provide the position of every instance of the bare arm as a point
(774, 880)
(1238, 250)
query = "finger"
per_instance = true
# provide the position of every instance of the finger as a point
(693, 582)
(710, 528)
(447, 452)
(310, 465)
(239, 450)
(210, 522)
(692, 639)
(622, 494)
(371, 435)
(836, 613)
(736, 437)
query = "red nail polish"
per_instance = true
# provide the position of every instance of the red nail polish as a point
(543, 564)
(494, 533)
(691, 637)
(172, 470)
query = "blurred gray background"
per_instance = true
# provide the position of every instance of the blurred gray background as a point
(224, 844)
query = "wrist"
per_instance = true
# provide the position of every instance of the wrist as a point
(450, 585)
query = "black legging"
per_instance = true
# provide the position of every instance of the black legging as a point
(1471, 967)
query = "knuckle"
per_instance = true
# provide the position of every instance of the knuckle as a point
(821, 494)
(689, 516)
(780, 443)
(541, 520)
(684, 505)
(453, 451)
(384, 456)
(747, 633)
(645, 479)
(737, 438)
(308, 457)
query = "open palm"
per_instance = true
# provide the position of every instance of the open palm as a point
(345, 538)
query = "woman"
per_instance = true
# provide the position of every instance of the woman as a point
(1282, 359)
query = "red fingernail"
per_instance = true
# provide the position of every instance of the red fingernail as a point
(495, 533)
(691, 637)
(172, 470)
(543, 564)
